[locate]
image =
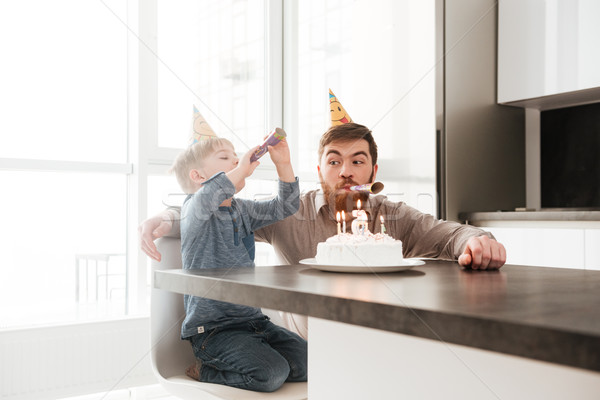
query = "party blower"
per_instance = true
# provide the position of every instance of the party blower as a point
(274, 137)
(374, 187)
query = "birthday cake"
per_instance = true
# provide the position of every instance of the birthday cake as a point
(365, 249)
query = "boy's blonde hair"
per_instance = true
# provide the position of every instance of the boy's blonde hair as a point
(192, 158)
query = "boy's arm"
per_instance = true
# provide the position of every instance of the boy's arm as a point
(209, 197)
(280, 155)
(266, 212)
(285, 173)
(220, 187)
(244, 169)
(287, 202)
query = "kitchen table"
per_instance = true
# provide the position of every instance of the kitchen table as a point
(434, 331)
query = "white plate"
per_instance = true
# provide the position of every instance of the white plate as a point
(405, 264)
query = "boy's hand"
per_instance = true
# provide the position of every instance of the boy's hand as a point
(245, 165)
(244, 169)
(280, 153)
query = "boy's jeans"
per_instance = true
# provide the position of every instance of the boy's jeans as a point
(255, 355)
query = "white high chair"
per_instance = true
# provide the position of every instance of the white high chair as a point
(171, 355)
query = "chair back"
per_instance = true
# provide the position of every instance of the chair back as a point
(170, 354)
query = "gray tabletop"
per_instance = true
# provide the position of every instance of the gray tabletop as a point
(539, 215)
(547, 314)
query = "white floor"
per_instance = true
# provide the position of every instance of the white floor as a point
(152, 392)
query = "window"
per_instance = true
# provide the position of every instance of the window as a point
(63, 257)
(73, 104)
(63, 79)
(212, 55)
(63, 161)
(378, 58)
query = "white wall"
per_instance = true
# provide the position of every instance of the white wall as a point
(51, 362)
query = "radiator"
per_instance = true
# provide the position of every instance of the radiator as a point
(61, 361)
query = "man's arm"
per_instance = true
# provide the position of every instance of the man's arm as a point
(481, 252)
(165, 223)
(425, 236)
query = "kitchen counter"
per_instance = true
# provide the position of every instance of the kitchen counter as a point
(551, 315)
(541, 215)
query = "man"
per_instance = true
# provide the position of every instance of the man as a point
(348, 157)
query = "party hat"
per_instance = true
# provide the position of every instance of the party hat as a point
(339, 115)
(201, 130)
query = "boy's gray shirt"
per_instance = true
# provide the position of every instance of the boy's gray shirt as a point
(222, 237)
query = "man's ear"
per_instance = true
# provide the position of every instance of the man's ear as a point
(318, 168)
(196, 176)
(375, 168)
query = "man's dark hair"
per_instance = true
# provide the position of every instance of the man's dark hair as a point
(347, 133)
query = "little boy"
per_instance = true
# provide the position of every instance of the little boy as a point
(234, 345)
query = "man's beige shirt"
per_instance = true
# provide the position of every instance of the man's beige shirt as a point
(422, 235)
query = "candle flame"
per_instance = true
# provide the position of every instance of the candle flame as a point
(358, 204)
(337, 216)
(343, 215)
(381, 218)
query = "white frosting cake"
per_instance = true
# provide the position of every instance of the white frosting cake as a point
(360, 250)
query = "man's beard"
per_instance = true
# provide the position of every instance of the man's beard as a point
(342, 200)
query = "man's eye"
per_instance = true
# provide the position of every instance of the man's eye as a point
(358, 162)
(333, 162)
(224, 158)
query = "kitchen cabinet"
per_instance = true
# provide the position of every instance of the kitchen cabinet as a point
(542, 247)
(550, 247)
(592, 249)
(547, 47)
(481, 144)
(408, 367)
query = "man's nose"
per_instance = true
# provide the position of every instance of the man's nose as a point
(345, 172)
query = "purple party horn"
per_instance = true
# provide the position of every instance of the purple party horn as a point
(274, 137)
(374, 187)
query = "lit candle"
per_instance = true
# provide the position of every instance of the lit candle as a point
(364, 221)
(382, 225)
(343, 221)
(360, 223)
(354, 226)
(357, 211)
(339, 229)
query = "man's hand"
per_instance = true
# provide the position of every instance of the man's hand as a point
(481, 252)
(152, 229)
